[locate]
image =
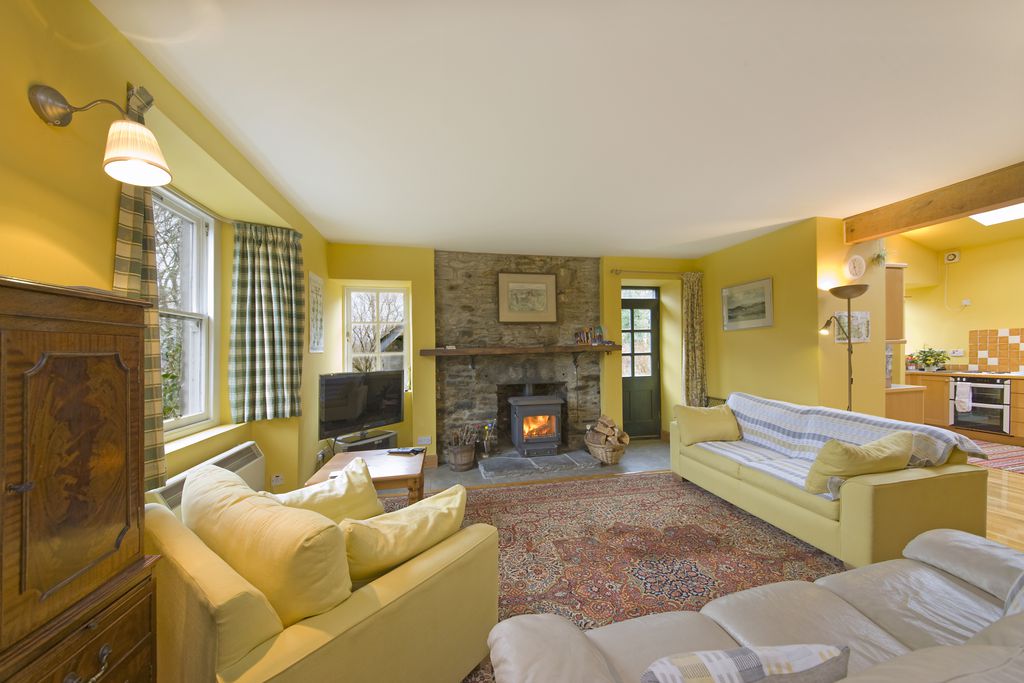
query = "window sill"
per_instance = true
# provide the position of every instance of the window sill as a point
(198, 437)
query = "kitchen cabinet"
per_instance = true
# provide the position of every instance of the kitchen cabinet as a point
(936, 396)
(905, 402)
(1017, 407)
(895, 332)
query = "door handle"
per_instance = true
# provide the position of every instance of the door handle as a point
(21, 488)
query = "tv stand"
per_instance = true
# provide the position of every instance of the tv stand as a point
(375, 439)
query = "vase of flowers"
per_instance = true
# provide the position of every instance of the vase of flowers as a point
(931, 359)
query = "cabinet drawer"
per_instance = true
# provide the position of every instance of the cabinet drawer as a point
(114, 636)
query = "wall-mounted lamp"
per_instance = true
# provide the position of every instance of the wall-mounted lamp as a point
(132, 155)
(848, 292)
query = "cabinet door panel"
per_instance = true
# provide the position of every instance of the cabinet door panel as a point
(72, 489)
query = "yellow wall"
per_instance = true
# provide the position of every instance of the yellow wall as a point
(412, 267)
(924, 266)
(611, 321)
(58, 209)
(780, 361)
(868, 357)
(989, 276)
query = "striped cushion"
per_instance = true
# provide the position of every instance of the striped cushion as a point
(804, 663)
(797, 431)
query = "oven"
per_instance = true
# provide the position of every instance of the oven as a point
(987, 404)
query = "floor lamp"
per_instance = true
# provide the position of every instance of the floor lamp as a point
(848, 292)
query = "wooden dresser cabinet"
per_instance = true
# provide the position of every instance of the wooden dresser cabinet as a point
(76, 594)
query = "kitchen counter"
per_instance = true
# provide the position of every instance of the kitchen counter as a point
(945, 373)
(900, 388)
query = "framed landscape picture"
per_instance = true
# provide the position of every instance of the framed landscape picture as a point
(526, 298)
(748, 305)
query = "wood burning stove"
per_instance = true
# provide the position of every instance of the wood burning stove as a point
(536, 424)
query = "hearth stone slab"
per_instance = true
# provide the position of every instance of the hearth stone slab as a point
(517, 467)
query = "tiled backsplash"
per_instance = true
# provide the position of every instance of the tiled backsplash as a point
(994, 351)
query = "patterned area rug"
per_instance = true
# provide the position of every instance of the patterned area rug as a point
(1001, 456)
(606, 549)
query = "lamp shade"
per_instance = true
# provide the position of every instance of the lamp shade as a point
(133, 155)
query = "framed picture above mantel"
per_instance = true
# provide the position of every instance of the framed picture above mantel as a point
(527, 298)
(748, 305)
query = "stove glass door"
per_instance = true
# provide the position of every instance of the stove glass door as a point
(988, 394)
(983, 418)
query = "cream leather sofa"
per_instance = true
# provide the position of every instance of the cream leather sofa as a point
(425, 620)
(875, 515)
(935, 616)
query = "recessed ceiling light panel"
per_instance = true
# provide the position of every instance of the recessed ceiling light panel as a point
(996, 216)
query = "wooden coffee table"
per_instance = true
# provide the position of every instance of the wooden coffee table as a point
(388, 471)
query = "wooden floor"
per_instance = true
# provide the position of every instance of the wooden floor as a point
(1006, 508)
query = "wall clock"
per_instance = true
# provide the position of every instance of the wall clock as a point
(855, 267)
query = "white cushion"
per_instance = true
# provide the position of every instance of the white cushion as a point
(296, 558)
(990, 566)
(799, 612)
(545, 648)
(921, 605)
(959, 663)
(630, 646)
(348, 495)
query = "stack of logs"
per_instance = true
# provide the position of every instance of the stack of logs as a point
(606, 441)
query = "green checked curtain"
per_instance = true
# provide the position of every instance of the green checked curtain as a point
(267, 318)
(135, 278)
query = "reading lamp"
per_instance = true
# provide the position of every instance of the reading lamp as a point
(132, 155)
(848, 292)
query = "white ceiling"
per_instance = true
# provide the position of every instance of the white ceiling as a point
(594, 127)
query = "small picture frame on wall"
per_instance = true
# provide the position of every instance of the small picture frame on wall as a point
(316, 313)
(748, 305)
(861, 327)
(527, 298)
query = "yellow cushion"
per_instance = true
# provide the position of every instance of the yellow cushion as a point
(839, 459)
(376, 545)
(349, 495)
(706, 424)
(296, 558)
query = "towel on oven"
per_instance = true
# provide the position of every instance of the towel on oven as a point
(962, 398)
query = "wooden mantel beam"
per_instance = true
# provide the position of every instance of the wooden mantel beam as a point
(985, 192)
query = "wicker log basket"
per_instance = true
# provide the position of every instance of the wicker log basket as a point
(606, 441)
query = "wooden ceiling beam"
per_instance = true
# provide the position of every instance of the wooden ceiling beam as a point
(985, 192)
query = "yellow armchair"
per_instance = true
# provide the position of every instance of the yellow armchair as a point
(426, 620)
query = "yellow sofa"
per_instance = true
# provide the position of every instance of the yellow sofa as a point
(426, 620)
(876, 514)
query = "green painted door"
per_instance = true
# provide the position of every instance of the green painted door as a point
(641, 369)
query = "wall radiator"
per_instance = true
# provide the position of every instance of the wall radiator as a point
(245, 460)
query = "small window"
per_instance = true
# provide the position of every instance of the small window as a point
(185, 295)
(377, 330)
(639, 293)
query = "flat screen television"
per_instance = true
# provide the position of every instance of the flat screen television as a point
(353, 402)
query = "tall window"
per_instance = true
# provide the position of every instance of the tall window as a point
(377, 330)
(185, 291)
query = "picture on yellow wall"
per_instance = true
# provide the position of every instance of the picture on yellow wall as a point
(748, 305)
(861, 327)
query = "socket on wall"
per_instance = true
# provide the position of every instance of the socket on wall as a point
(277, 480)
(422, 440)
(956, 353)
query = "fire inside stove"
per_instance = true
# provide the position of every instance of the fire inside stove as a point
(539, 426)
